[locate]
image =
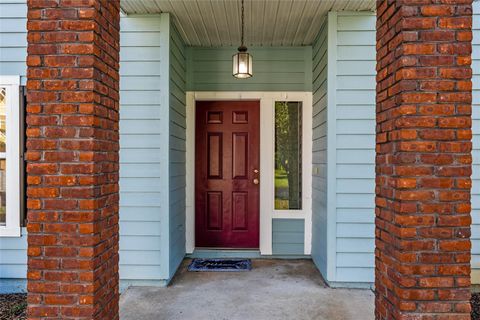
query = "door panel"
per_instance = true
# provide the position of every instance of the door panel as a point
(227, 159)
(215, 154)
(214, 211)
(240, 155)
(240, 210)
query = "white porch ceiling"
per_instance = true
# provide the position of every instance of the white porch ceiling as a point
(213, 23)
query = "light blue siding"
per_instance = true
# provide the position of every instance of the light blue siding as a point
(152, 156)
(13, 51)
(274, 69)
(288, 236)
(320, 172)
(476, 147)
(177, 161)
(355, 146)
(13, 38)
(142, 168)
(13, 257)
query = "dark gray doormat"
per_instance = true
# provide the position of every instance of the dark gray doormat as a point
(220, 265)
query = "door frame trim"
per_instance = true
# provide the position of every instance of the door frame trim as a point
(267, 130)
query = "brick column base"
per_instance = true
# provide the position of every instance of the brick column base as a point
(72, 159)
(423, 162)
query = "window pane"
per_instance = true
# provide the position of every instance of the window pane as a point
(288, 155)
(3, 105)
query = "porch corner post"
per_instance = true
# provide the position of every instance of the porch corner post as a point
(72, 158)
(423, 159)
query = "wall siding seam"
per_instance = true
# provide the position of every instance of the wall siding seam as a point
(331, 144)
(165, 146)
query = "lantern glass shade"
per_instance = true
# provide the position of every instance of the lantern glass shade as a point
(242, 65)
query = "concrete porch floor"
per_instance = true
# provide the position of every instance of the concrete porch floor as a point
(274, 289)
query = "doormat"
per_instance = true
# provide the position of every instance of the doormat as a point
(220, 265)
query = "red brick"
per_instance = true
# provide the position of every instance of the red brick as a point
(78, 48)
(60, 180)
(43, 311)
(59, 85)
(438, 35)
(61, 276)
(455, 245)
(437, 10)
(456, 73)
(430, 307)
(418, 48)
(59, 132)
(34, 61)
(414, 23)
(42, 192)
(455, 122)
(58, 37)
(457, 48)
(56, 14)
(72, 159)
(42, 168)
(423, 159)
(60, 299)
(455, 22)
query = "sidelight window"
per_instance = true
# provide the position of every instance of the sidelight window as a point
(288, 155)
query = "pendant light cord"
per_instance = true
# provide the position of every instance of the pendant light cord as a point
(243, 22)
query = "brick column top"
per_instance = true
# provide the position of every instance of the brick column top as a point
(72, 159)
(423, 162)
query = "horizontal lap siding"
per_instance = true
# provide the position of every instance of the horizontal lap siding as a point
(288, 236)
(476, 146)
(274, 69)
(319, 205)
(142, 110)
(177, 153)
(13, 53)
(13, 257)
(13, 38)
(355, 147)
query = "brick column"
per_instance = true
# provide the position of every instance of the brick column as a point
(423, 163)
(72, 159)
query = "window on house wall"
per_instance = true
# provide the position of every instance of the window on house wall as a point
(288, 155)
(3, 156)
(10, 146)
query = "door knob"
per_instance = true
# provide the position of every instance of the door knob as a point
(255, 171)
(256, 181)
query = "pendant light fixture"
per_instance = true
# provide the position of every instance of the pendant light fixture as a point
(242, 60)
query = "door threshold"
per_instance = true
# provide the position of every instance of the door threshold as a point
(204, 253)
(215, 253)
(226, 249)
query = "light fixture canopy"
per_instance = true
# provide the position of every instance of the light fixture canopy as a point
(242, 60)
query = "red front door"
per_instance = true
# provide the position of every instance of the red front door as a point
(227, 160)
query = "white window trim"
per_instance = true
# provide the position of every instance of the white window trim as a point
(12, 226)
(267, 163)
